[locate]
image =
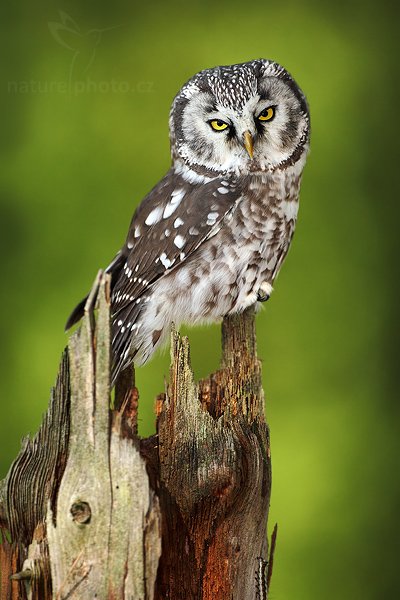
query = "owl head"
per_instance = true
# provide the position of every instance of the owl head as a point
(242, 118)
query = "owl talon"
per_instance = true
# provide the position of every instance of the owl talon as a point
(262, 297)
(264, 292)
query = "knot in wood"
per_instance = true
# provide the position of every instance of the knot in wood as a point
(32, 569)
(81, 513)
(24, 574)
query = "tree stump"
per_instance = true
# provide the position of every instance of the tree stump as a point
(89, 510)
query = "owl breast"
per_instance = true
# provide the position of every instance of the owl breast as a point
(227, 271)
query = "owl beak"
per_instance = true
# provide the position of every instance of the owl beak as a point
(248, 143)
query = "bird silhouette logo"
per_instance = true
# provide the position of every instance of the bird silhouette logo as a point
(68, 34)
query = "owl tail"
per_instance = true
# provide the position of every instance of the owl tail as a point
(124, 330)
(76, 314)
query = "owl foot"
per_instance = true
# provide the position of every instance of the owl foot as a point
(264, 292)
(263, 298)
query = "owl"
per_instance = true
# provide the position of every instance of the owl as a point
(210, 238)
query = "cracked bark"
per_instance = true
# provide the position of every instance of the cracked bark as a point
(90, 510)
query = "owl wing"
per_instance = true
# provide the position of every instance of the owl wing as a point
(168, 226)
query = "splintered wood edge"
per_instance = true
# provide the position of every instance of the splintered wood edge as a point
(233, 389)
(39, 466)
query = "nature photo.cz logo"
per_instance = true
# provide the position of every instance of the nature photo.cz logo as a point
(82, 44)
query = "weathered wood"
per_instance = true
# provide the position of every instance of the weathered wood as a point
(91, 507)
(213, 473)
(30, 486)
(101, 556)
(9, 560)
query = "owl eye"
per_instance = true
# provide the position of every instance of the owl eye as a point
(218, 125)
(267, 114)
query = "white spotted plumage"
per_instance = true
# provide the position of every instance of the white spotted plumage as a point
(154, 216)
(178, 221)
(211, 236)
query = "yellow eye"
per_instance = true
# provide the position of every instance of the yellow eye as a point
(219, 125)
(266, 114)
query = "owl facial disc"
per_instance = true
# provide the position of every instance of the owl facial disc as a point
(238, 119)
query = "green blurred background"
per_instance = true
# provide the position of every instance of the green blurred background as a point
(83, 139)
